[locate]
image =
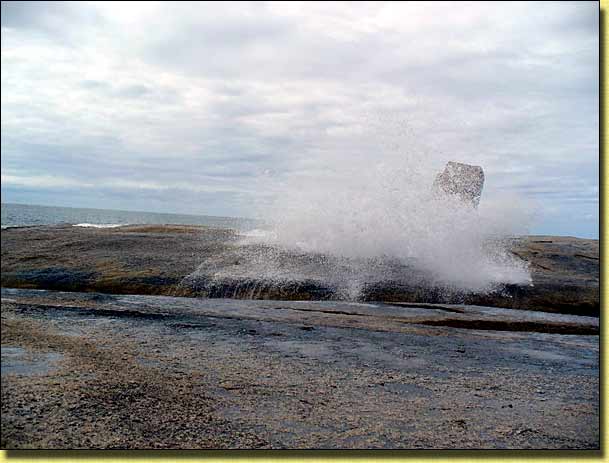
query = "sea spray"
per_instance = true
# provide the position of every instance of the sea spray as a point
(384, 221)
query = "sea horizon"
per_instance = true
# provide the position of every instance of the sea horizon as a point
(13, 203)
(140, 217)
(24, 214)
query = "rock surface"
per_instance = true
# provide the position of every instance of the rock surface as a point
(212, 262)
(91, 370)
(462, 180)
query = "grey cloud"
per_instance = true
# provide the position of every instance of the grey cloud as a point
(59, 21)
(218, 41)
(95, 85)
(133, 91)
(157, 94)
(581, 18)
(27, 14)
(212, 95)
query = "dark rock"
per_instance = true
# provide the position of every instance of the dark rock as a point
(199, 262)
(57, 278)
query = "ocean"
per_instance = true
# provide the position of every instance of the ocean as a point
(19, 215)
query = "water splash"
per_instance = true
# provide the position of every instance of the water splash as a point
(371, 219)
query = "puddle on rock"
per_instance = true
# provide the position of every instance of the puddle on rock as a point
(19, 361)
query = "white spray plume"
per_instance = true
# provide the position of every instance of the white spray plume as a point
(383, 206)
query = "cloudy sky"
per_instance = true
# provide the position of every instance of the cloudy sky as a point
(203, 108)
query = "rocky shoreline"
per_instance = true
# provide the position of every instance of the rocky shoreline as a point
(90, 370)
(101, 350)
(195, 261)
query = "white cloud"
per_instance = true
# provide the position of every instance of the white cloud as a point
(43, 181)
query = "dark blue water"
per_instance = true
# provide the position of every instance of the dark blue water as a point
(16, 215)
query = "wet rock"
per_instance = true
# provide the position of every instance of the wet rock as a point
(462, 180)
(199, 262)
(57, 278)
(371, 374)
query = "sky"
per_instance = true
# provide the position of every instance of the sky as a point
(206, 107)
